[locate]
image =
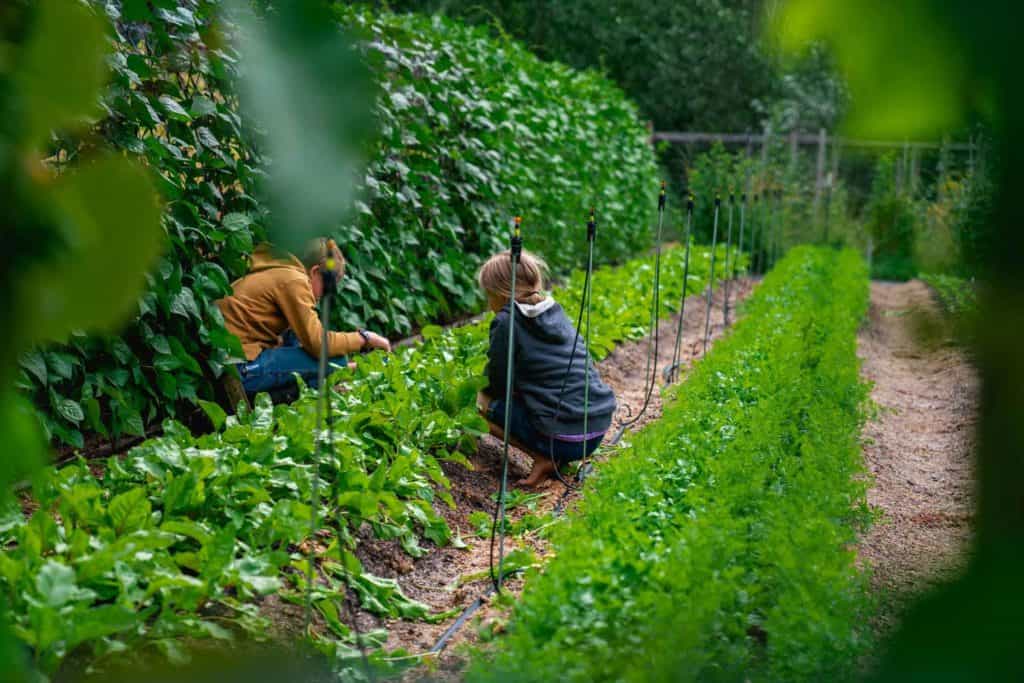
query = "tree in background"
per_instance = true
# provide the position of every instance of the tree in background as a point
(693, 65)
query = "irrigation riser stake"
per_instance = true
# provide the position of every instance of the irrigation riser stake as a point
(329, 278)
(743, 215)
(711, 280)
(671, 373)
(498, 528)
(728, 264)
(651, 369)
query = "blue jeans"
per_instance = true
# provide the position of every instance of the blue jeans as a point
(277, 367)
(537, 443)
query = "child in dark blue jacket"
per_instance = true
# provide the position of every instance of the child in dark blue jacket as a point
(549, 430)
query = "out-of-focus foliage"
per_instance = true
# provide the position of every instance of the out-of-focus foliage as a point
(891, 220)
(919, 62)
(471, 131)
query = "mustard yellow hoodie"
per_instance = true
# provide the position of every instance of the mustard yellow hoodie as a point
(274, 296)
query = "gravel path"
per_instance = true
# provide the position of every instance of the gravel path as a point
(918, 449)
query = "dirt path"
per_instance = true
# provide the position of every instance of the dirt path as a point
(434, 578)
(918, 449)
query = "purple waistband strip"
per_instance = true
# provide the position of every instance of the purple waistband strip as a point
(577, 438)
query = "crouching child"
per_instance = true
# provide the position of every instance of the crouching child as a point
(272, 311)
(548, 429)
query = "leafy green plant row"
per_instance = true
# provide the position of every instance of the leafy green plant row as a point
(719, 544)
(181, 538)
(958, 296)
(470, 130)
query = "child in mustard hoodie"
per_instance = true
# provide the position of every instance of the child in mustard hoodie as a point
(272, 312)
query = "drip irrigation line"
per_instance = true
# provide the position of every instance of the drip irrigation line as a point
(498, 527)
(671, 372)
(711, 279)
(584, 469)
(728, 262)
(651, 369)
(328, 274)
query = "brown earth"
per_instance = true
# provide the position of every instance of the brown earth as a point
(435, 578)
(918, 449)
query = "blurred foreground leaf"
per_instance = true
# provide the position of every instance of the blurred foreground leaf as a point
(62, 68)
(110, 220)
(906, 75)
(305, 87)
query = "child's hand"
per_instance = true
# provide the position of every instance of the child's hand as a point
(376, 341)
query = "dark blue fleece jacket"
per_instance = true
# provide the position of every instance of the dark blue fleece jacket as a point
(543, 346)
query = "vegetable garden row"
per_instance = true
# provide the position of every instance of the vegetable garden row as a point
(718, 545)
(180, 539)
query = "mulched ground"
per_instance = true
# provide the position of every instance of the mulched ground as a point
(918, 449)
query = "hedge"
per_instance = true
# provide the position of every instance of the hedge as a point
(471, 131)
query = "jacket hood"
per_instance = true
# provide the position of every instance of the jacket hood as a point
(265, 258)
(546, 319)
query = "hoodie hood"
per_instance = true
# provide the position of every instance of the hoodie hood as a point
(264, 258)
(546, 320)
(534, 310)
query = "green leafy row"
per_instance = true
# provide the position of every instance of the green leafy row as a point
(470, 131)
(958, 296)
(719, 544)
(182, 537)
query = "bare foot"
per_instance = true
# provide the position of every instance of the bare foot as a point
(543, 468)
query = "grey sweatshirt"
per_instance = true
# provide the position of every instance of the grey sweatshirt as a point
(543, 345)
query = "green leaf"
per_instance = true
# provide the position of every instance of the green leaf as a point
(129, 511)
(174, 109)
(100, 622)
(215, 413)
(70, 410)
(63, 68)
(55, 584)
(33, 362)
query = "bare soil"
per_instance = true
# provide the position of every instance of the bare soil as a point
(918, 449)
(435, 578)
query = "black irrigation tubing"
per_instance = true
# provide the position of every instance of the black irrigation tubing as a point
(498, 526)
(711, 278)
(651, 369)
(671, 372)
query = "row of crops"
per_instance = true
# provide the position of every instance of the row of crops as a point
(181, 539)
(719, 544)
